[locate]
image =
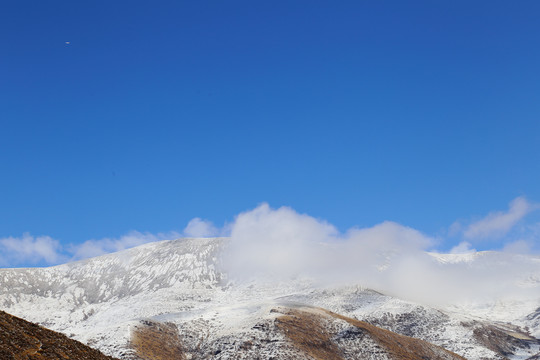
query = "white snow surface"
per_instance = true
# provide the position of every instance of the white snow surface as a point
(97, 301)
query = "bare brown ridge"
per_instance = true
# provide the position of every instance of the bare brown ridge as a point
(23, 340)
(306, 330)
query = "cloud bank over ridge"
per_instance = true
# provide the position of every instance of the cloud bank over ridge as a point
(280, 244)
(256, 229)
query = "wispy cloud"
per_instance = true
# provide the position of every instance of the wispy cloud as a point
(28, 249)
(198, 227)
(91, 248)
(463, 247)
(499, 223)
(518, 247)
(44, 250)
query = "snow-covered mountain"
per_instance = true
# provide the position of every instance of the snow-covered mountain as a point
(175, 297)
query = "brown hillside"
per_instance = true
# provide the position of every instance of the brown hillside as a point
(22, 340)
(400, 347)
(153, 340)
(308, 330)
(307, 333)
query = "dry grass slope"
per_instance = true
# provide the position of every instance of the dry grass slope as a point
(306, 331)
(157, 341)
(503, 342)
(401, 347)
(23, 340)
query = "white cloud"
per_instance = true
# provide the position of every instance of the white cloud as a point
(455, 229)
(198, 228)
(389, 237)
(518, 247)
(280, 244)
(28, 249)
(463, 247)
(498, 224)
(44, 250)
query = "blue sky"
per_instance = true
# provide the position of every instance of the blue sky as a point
(119, 117)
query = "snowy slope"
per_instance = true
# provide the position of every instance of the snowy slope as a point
(106, 301)
(95, 298)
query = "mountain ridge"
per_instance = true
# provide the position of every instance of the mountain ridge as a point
(182, 282)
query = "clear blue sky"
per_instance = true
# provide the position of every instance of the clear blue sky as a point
(419, 112)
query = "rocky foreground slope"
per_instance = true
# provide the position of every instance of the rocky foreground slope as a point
(172, 299)
(22, 340)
